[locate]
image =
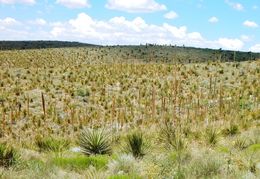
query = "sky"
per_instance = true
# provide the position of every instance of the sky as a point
(226, 24)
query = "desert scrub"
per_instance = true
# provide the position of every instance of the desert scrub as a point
(95, 142)
(231, 130)
(135, 144)
(172, 138)
(123, 165)
(81, 162)
(211, 136)
(206, 166)
(8, 156)
(50, 144)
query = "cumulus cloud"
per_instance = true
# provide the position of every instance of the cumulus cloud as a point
(235, 5)
(135, 6)
(8, 21)
(246, 38)
(117, 30)
(231, 44)
(251, 24)
(171, 15)
(74, 3)
(213, 19)
(255, 48)
(30, 2)
(40, 22)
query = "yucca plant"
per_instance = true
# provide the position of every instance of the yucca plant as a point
(94, 142)
(8, 156)
(233, 129)
(135, 144)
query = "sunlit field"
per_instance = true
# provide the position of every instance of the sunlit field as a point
(111, 113)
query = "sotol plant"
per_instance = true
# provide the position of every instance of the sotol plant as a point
(135, 144)
(211, 136)
(94, 142)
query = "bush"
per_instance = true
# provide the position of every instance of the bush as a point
(95, 141)
(82, 162)
(206, 166)
(8, 156)
(172, 138)
(211, 136)
(231, 130)
(82, 93)
(124, 164)
(51, 145)
(241, 143)
(135, 145)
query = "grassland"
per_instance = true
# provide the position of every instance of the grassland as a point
(188, 120)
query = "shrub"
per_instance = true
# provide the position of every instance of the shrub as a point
(231, 130)
(211, 136)
(92, 172)
(8, 156)
(52, 145)
(82, 93)
(206, 166)
(135, 144)
(124, 164)
(95, 141)
(241, 143)
(82, 162)
(172, 138)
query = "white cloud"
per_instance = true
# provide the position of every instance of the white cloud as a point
(135, 6)
(30, 2)
(8, 21)
(255, 48)
(74, 3)
(246, 38)
(231, 44)
(171, 15)
(213, 19)
(117, 30)
(40, 22)
(235, 5)
(251, 24)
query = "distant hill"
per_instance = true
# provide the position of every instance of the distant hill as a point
(176, 54)
(21, 45)
(145, 53)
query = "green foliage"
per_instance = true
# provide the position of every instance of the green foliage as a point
(95, 141)
(172, 138)
(82, 162)
(206, 166)
(51, 144)
(254, 148)
(8, 156)
(233, 129)
(135, 144)
(211, 136)
(241, 143)
(82, 92)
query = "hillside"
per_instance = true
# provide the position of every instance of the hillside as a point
(21, 45)
(142, 53)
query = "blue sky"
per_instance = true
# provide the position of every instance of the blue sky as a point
(227, 24)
